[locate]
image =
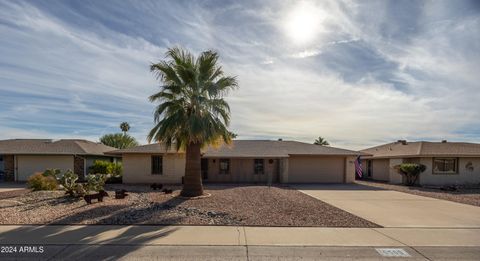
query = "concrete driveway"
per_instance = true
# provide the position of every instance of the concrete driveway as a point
(11, 186)
(395, 209)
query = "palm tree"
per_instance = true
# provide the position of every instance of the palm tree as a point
(191, 112)
(321, 141)
(119, 140)
(124, 126)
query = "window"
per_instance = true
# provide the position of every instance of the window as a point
(444, 165)
(224, 166)
(157, 165)
(259, 166)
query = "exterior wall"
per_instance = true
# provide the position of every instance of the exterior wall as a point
(316, 169)
(137, 168)
(381, 169)
(394, 176)
(242, 171)
(283, 170)
(27, 165)
(9, 167)
(350, 169)
(463, 176)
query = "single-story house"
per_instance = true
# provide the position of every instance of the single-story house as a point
(447, 163)
(243, 161)
(20, 158)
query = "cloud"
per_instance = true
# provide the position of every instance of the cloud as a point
(409, 71)
(307, 53)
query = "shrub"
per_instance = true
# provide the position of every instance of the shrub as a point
(106, 167)
(411, 171)
(41, 182)
(55, 173)
(99, 167)
(114, 170)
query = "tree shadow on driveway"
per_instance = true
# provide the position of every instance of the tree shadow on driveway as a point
(79, 242)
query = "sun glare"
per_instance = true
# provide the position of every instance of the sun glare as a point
(303, 23)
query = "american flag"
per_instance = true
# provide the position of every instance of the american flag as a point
(358, 167)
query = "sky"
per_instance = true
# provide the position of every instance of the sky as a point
(358, 73)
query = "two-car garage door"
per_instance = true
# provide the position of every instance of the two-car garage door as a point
(27, 165)
(316, 169)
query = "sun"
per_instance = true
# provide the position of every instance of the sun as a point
(304, 22)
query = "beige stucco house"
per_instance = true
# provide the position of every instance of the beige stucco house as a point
(448, 163)
(243, 161)
(21, 158)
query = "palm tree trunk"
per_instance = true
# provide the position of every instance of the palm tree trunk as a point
(192, 183)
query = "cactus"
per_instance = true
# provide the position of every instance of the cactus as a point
(95, 182)
(69, 183)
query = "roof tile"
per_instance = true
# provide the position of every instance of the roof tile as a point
(251, 148)
(46, 146)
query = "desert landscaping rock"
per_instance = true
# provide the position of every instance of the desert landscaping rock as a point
(12, 193)
(227, 205)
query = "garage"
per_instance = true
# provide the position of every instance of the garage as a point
(316, 169)
(27, 165)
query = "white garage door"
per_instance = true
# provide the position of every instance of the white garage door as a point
(28, 165)
(315, 169)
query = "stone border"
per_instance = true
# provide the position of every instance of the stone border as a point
(206, 195)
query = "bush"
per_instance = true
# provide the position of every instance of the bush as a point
(411, 171)
(41, 182)
(55, 173)
(99, 167)
(114, 170)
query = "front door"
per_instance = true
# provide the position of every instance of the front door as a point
(204, 167)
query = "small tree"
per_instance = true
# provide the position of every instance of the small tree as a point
(119, 140)
(321, 141)
(411, 171)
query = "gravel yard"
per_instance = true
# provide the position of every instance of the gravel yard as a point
(13, 193)
(470, 196)
(228, 205)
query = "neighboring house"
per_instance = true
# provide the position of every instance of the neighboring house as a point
(20, 158)
(448, 163)
(243, 161)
